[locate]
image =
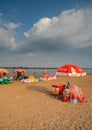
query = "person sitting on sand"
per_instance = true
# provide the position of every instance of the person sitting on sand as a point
(66, 93)
(77, 94)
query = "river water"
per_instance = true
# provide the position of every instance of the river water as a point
(39, 72)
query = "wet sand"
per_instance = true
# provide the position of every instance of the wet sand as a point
(31, 106)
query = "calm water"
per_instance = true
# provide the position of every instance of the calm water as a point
(39, 72)
(35, 72)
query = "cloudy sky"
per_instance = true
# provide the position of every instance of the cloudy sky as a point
(45, 33)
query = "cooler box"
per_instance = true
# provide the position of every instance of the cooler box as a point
(57, 89)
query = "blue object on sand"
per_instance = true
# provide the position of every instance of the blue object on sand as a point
(74, 101)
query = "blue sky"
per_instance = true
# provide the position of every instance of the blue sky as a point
(45, 33)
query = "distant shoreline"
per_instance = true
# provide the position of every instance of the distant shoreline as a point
(36, 67)
(30, 67)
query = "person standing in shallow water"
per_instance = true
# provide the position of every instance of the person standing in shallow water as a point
(34, 73)
(18, 75)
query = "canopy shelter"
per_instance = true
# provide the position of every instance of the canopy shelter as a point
(3, 72)
(20, 71)
(70, 70)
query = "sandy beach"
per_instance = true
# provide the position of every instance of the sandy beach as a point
(31, 106)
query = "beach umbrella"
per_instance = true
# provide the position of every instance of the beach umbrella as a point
(20, 71)
(70, 70)
(4, 72)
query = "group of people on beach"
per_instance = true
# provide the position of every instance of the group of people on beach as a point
(72, 93)
(68, 93)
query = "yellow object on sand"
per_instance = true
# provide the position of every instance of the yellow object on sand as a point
(32, 78)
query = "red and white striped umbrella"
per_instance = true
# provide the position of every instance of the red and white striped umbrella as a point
(70, 70)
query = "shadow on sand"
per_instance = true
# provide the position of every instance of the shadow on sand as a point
(41, 90)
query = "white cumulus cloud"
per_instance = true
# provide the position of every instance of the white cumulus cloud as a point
(8, 35)
(72, 27)
(62, 38)
(12, 25)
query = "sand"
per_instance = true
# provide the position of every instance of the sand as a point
(31, 106)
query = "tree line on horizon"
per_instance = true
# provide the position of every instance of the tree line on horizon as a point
(28, 67)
